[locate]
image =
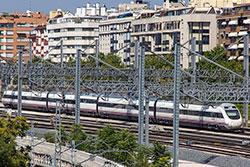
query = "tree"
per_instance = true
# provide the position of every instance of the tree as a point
(160, 155)
(10, 155)
(142, 156)
(50, 137)
(78, 135)
(219, 56)
(119, 140)
(152, 61)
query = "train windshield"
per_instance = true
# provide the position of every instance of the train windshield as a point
(233, 114)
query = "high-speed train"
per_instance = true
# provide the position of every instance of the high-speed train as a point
(224, 116)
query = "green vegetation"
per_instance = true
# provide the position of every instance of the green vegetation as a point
(219, 56)
(10, 155)
(152, 61)
(110, 138)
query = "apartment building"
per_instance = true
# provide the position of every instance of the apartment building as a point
(135, 6)
(115, 31)
(15, 32)
(162, 31)
(233, 24)
(216, 3)
(114, 36)
(77, 32)
(55, 13)
(95, 10)
(39, 38)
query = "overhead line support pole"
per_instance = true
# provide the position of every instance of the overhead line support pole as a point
(19, 104)
(246, 75)
(176, 105)
(147, 121)
(96, 60)
(77, 86)
(141, 96)
(193, 59)
(61, 52)
(30, 71)
(136, 65)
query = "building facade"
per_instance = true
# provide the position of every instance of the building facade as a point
(233, 24)
(94, 10)
(215, 3)
(76, 32)
(114, 36)
(39, 37)
(161, 32)
(15, 33)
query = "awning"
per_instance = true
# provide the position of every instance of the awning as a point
(232, 57)
(233, 34)
(224, 23)
(247, 21)
(240, 58)
(242, 33)
(241, 46)
(233, 22)
(234, 46)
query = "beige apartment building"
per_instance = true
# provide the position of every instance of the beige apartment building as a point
(233, 24)
(115, 36)
(161, 32)
(215, 3)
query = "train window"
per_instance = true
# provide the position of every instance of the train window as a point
(193, 113)
(219, 115)
(165, 110)
(185, 112)
(213, 114)
(233, 114)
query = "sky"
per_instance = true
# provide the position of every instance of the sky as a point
(47, 5)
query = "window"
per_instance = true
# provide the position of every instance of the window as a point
(88, 29)
(78, 38)
(6, 25)
(78, 46)
(9, 54)
(9, 47)
(1, 39)
(20, 46)
(22, 40)
(1, 47)
(9, 40)
(9, 32)
(78, 29)
(1, 33)
(233, 114)
(71, 29)
(57, 30)
(205, 39)
(71, 38)
(20, 25)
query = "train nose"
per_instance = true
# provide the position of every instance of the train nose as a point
(235, 124)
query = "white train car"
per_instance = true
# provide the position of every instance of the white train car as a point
(224, 116)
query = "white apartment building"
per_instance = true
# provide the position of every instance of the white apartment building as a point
(115, 31)
(95, 10)
(76, 33)
(162, 31)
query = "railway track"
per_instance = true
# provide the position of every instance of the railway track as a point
(223, 143)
